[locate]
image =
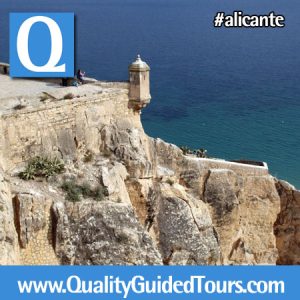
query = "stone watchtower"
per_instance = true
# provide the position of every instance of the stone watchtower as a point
(139, 89)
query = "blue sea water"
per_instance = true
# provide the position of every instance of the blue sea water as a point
(235, 92)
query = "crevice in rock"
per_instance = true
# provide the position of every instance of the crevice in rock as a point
(150, 206)
(216, 234)
(16, 212)
(54, 221)
(204, 185)
(235, 246)
(76, 142)
(137, 200)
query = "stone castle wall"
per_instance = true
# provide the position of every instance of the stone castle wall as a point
(62, 127)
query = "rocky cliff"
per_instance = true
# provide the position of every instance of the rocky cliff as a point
(159, 206)
(287, 226)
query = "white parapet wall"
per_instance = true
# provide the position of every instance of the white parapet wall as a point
(170, 157)
(239, 168)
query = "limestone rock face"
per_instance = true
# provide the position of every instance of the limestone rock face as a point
(186, 235)
(30, 216)
(102, 234)
(287, 226)
(243, 211)
(180, 224)
(221, 191)
(129, 145)
(9, 252)
(243, 204)
(34, 223)
(159, 207)
(113, 179)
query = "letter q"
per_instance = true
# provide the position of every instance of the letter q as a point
(56, 45)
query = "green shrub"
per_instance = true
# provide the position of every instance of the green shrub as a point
(75, 192)
(185, 150)
(201, 153)
(42, 167)
(100, 192)
(86, 190)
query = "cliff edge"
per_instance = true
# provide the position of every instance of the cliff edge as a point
(139, 200)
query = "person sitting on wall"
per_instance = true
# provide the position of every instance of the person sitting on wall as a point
(80, 75)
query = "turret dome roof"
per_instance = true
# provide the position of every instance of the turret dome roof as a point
(139, 65)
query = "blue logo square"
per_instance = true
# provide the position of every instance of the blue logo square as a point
(41, 45)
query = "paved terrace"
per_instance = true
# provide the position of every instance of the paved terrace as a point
(33, 92)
